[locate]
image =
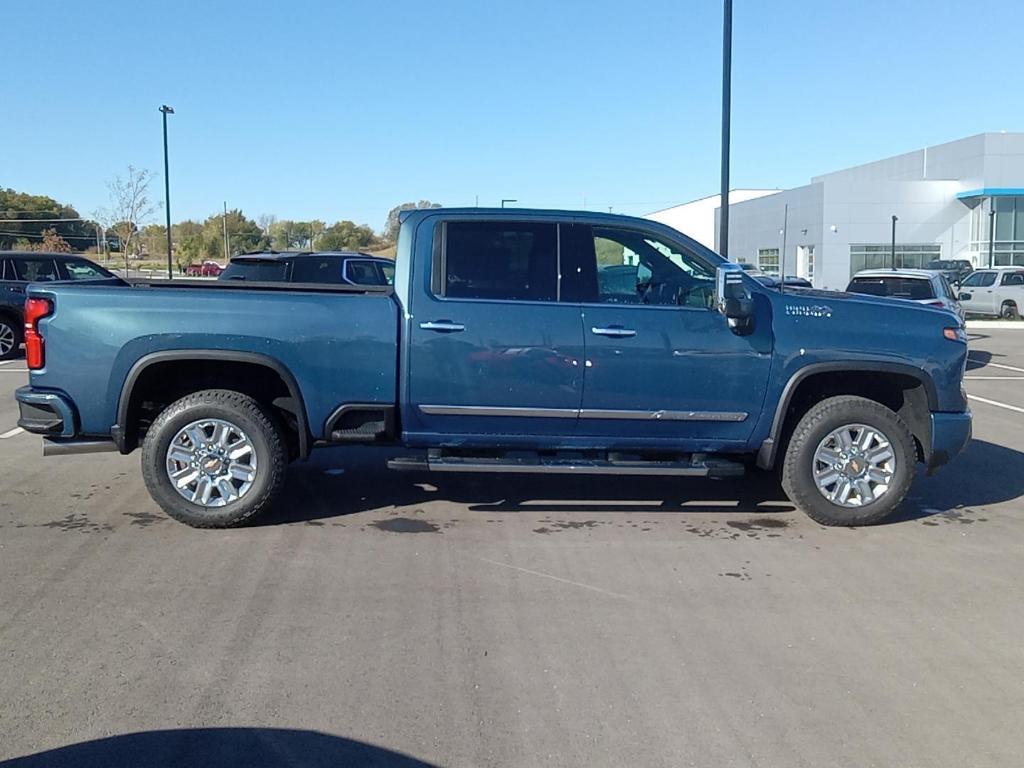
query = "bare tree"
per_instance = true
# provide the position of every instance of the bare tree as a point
(266, 221)
(130, 207)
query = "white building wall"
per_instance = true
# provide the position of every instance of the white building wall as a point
(697, 218)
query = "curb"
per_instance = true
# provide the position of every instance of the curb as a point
(995, 325)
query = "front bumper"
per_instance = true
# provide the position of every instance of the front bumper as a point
(951, 432)
(46, 413)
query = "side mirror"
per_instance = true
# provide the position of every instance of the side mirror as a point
(733, 299)
(965, 297)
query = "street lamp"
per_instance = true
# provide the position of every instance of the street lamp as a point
(723, 222)
(991, 232)
(892, 253)
(165, 111)
(507, 200)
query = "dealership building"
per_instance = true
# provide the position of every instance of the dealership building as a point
(945, 199)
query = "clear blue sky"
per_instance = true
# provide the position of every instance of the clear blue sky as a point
(341, 109)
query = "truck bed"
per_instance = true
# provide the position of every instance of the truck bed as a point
(338, 341)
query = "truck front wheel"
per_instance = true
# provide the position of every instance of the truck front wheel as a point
(214, 459)
(850, 461)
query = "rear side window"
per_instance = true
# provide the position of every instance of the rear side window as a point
(1013, 278)
(364, 272)
(255, 270)
(499, 260)
(896, 287)
(36, 270)
(6, 273)
(316, 269)
(84, 270)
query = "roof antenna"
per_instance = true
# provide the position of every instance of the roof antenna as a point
(782, 259)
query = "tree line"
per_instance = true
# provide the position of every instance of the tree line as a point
(39, 222)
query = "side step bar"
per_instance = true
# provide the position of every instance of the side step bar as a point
(52, 447)
(697, 465)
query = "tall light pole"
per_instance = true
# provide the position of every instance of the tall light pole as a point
(723, 222)
(991, 232)
(507, 200)
(227, 257)
(165, 110)
(892, 253)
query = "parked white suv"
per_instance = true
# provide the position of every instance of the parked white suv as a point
(997, 292)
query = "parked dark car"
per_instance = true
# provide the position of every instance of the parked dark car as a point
(772, 281)
(18, 269)
(954, 270)
(342, 267)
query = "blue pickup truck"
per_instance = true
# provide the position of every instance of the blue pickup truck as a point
(511, 341)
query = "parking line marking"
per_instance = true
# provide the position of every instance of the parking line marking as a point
(555, 578)
(994, 378)
(12, 433)
(996, 365)
(996, 403)
(14, 370)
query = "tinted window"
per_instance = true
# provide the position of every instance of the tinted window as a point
(500, 260)
(84, 270)
(897, 287)
(637, 268)
(256, 270)
(979, 280)
(364, 272)
(388, 270)
(316, 269)
(1013, 278)
(4, 270)
(36, 270)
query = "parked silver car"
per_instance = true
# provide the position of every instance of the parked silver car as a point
(997, 292)
(920, 285)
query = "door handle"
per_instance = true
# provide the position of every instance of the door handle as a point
(444, 326)
(615, 331)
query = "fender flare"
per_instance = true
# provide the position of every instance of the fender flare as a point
(769, 447)
(119, 430)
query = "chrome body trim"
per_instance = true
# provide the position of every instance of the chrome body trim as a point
(585, 413)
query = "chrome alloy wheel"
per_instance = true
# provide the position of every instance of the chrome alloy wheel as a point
(211, 462)
(6, 338)
(854, 465)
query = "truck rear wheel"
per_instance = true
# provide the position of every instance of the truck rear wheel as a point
(850, 461)
(214, 459)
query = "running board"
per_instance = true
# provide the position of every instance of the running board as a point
(699, 465)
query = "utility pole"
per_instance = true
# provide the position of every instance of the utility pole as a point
(167, 190)
(723, 223)
(97, 241)
(892, 253)
(991, 233)
(227, 257)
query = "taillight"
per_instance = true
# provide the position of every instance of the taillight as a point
(35, 310)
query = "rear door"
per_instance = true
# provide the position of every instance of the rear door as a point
(661, 363)
(1011, 289)
(493, 355)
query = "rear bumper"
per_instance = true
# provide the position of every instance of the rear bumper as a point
(46, 413)
(951, 432)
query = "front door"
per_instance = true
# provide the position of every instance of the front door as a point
(979, 293)
(493, 356)
(661, 364)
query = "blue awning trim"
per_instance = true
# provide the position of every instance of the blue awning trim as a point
(991, 192)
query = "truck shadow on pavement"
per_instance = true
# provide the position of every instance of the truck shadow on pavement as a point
(346, 481)
(189, 747)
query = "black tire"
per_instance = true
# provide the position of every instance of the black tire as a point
(1009, 311)
(239, 410)
(814, 427)
(10, 328)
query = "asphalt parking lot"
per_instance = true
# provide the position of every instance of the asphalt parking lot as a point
(406, 620)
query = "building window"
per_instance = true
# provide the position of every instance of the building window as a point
(768, 260)
(1008, 243)
(879, 256)
(810, 263)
